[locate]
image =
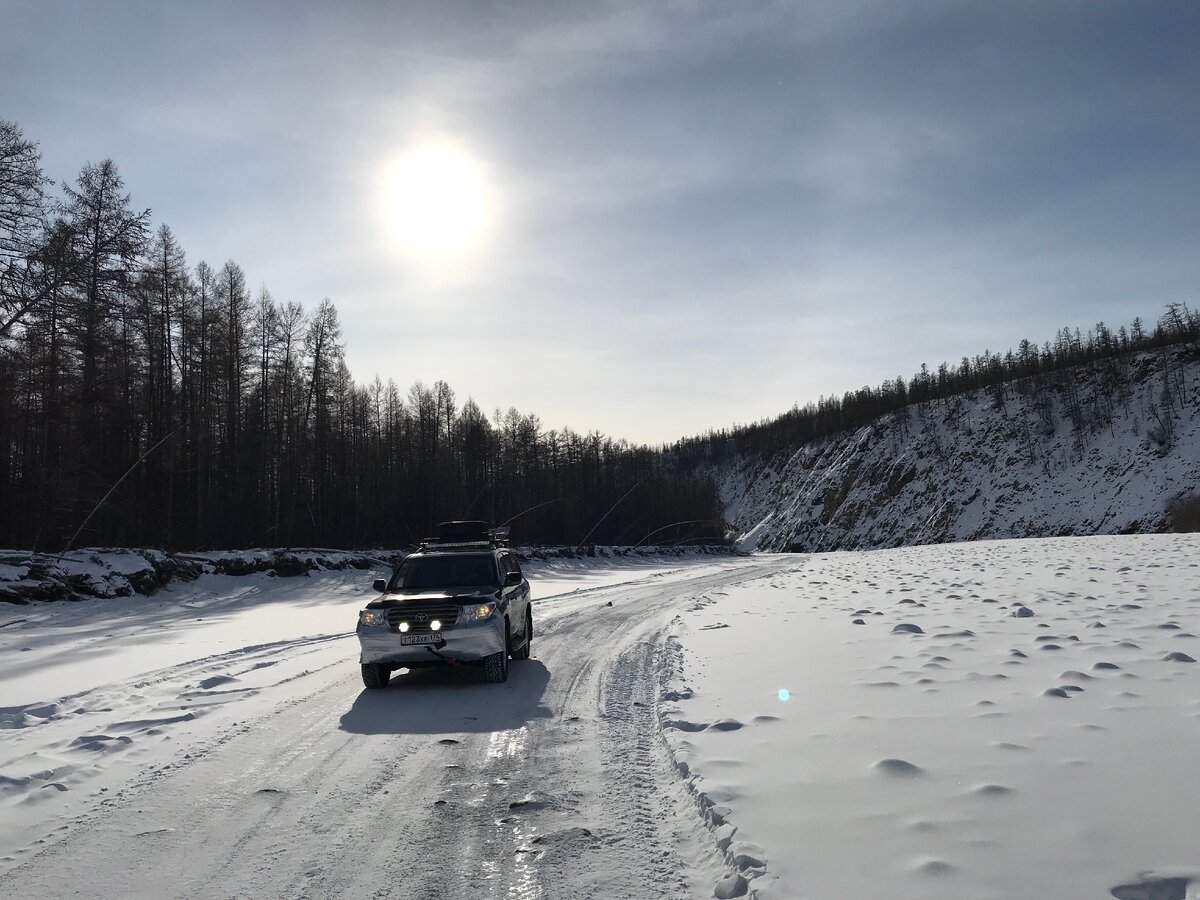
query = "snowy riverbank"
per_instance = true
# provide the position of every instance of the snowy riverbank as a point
(101, 572)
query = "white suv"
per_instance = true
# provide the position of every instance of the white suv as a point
(460, 599)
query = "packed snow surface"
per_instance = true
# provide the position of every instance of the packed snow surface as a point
(991, 720)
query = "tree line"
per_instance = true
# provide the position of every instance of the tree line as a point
(1052, 373)
(148, 402)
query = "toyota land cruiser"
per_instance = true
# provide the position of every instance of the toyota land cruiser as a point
(459, 599)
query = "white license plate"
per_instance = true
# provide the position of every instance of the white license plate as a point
(420, 638)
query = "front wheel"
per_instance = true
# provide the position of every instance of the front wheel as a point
(376, 675)
(495, 667)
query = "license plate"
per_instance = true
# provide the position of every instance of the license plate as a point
(420, 638)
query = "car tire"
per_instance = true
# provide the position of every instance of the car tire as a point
(376, 675)
(495, 667)
(527, 647)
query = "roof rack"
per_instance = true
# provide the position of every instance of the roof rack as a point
(467, 536)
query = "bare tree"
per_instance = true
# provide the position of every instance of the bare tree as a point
(22, 226)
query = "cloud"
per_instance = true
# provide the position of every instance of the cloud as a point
(709, 211)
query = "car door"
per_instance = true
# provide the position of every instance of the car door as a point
(517, 595)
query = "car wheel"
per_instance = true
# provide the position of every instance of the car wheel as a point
(526, 647)
(376, 675)
(495, 667)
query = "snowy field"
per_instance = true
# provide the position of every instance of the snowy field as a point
(1014, 719)
(1010, 719)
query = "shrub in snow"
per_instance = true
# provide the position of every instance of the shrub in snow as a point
(1183, 513)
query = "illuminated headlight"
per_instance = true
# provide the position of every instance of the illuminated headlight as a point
(435, 625)
(372, 617)
(403, 627)
(476, 613)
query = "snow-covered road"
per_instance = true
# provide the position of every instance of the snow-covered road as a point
(246, 760)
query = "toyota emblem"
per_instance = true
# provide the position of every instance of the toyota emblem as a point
(421, 617)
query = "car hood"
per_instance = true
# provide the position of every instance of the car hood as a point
(464, 594)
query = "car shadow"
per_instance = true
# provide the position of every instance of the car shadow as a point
(451, 700)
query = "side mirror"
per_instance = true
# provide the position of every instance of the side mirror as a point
(512, 578)
(380, 585)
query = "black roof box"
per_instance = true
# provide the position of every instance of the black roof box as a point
(464, 532)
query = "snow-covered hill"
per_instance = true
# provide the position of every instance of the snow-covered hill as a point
(1086, 454)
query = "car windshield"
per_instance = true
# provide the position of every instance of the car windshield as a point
(459, 570)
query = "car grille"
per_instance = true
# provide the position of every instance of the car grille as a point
(418, 615)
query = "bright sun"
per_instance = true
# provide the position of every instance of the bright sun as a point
(437, 201)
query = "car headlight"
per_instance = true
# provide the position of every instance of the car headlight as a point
(476, 613)
(372, 617)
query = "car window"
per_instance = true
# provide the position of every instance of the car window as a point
(459, 570)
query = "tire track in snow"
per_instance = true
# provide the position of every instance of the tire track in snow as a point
(554, 785)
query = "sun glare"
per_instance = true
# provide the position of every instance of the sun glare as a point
(437, 201)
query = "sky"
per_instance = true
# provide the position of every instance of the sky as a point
(649, 219)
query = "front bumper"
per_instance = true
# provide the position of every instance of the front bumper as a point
(469, 642)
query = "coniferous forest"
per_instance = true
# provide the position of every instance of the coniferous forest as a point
(148, 401)
(1053, 370)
